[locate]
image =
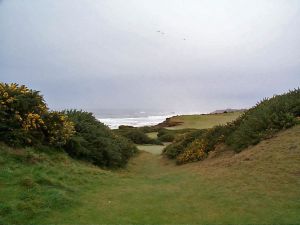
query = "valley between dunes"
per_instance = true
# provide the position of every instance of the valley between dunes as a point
(257, 186)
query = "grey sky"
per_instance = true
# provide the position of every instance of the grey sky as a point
(109, 54)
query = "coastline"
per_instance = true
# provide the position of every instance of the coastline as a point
(114, 123)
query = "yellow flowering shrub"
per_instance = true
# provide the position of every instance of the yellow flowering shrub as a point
(25, 119)
(194, 152)
(58, 128)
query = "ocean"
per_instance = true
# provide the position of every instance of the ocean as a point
(137, 118)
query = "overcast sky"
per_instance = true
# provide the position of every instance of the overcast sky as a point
(182, 55)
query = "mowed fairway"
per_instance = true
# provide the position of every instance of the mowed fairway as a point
(203, 121)
(261, 185)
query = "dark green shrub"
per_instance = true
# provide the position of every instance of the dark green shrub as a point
(181, 142)
(260, 122)
(265, 119)
(166, 135)
(136, 135)
(149, 129)
(96, 143)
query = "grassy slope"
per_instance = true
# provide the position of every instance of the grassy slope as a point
(203, 121)
(191, 121)
(33, 184)
(260, 185)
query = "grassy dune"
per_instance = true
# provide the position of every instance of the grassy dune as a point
(203, 121)
(261, 185)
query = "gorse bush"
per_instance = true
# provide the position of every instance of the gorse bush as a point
(26, 120)
(181, 142)
(260, 122)
(195, 151)
(59, 128)
(96, 143)
(263, 120)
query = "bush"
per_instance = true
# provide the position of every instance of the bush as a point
(58, 129)
(96, 143)
(25, 119)
(264, 120)
(166, 135)
(194, 152)
(260, 122)
(136, 135)
(181, 142)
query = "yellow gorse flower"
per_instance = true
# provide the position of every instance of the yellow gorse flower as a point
(32, 115)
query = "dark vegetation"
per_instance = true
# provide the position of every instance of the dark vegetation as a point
(165, 135)
(25, 120)
(258, 123)
(95, 142)
(136, 135)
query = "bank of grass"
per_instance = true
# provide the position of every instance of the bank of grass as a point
(257, 186)
(154, 149)
(203, 121)
(34, 183)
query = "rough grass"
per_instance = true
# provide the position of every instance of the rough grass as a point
(203, 121)
(152, 135)
(154, 149)
(34, 184)
(261, 185)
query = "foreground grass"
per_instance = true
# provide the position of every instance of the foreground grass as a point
(34, 184)
(203, 121)
(261, 185)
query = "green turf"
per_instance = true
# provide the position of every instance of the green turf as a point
(258, 186)
(261, 185)
(154, 149)
(152, 135)
(33, 184)
(203, 121)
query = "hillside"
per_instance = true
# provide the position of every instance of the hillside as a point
(35, 183)
(67, 167)
(258, 186)
(202, 121)
(262, 121)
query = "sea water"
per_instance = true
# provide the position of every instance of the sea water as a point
(136, 118)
